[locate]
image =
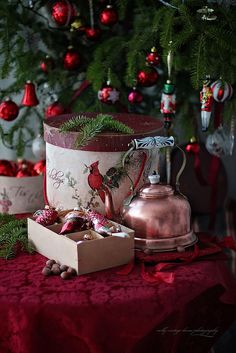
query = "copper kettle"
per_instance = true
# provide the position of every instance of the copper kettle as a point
(159, 215)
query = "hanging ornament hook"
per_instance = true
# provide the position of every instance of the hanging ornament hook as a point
(91, 14)
(170, 59)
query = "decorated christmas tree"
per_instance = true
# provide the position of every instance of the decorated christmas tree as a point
(103, 56)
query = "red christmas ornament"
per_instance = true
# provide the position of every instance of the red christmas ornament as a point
(7, 168)
(25, 169)
(47, 64)
(193, 146)
(54, 109)
(63, 12)
(40, 167)
(108, 94)
(135, 97)
(153, 58)
(29, 99)
(8, 110)
(71, 59)
(108, 16)
(221, 90)
(23, 173)
(147, 77)
(47, 216)
(93, 33)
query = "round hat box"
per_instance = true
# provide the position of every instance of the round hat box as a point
(74, 177)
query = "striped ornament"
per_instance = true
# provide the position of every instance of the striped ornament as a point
(221, 90)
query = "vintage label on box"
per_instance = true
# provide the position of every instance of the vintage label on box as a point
(21, 195)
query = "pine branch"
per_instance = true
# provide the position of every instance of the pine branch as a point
(89, 127)
(13, 236)
(74, 123)
(199, 61)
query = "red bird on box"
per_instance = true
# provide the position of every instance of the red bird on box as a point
(95, 180)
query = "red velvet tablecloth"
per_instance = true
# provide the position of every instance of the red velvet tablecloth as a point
(106, 312)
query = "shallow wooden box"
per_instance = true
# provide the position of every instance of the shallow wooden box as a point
(85, 256)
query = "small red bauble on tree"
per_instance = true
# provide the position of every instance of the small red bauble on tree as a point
(135, 97)
(47, 64)
(8, 110)
(108, 94)
(108, 16)
(63, 12)
(147, 77)
(93, 33)
(153, 58)
(53, 109)
(71, 59)
(29, 99)
(193, 146)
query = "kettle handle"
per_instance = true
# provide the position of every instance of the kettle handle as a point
(150, 143)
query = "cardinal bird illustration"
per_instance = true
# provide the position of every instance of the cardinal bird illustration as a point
(95, 180)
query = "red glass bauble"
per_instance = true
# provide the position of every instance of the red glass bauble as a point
(47, 64)
(54, 109)
(25, 168)
(147, 77)
(9, 110)
(71, 59)
(93, 33)
(29, 99)
(23, 173)
(7, 168)
(193, 148)
(108, 94)
(108, 16)
(63, 12)
(135, 97)
(153, 58)
(39, 167)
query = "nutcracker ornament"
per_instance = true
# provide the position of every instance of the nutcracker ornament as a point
(168, 103)
(206, 99)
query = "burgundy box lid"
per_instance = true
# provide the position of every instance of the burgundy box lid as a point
(142, 125)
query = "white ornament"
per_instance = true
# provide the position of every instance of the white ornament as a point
(39, 147)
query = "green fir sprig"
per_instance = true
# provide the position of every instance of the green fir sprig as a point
(13, 236)
(89, 127)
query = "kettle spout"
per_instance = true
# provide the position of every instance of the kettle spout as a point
(109, 206)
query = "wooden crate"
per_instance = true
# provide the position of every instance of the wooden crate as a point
(85, 256)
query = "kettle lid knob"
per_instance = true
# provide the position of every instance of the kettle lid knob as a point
(154, 178)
